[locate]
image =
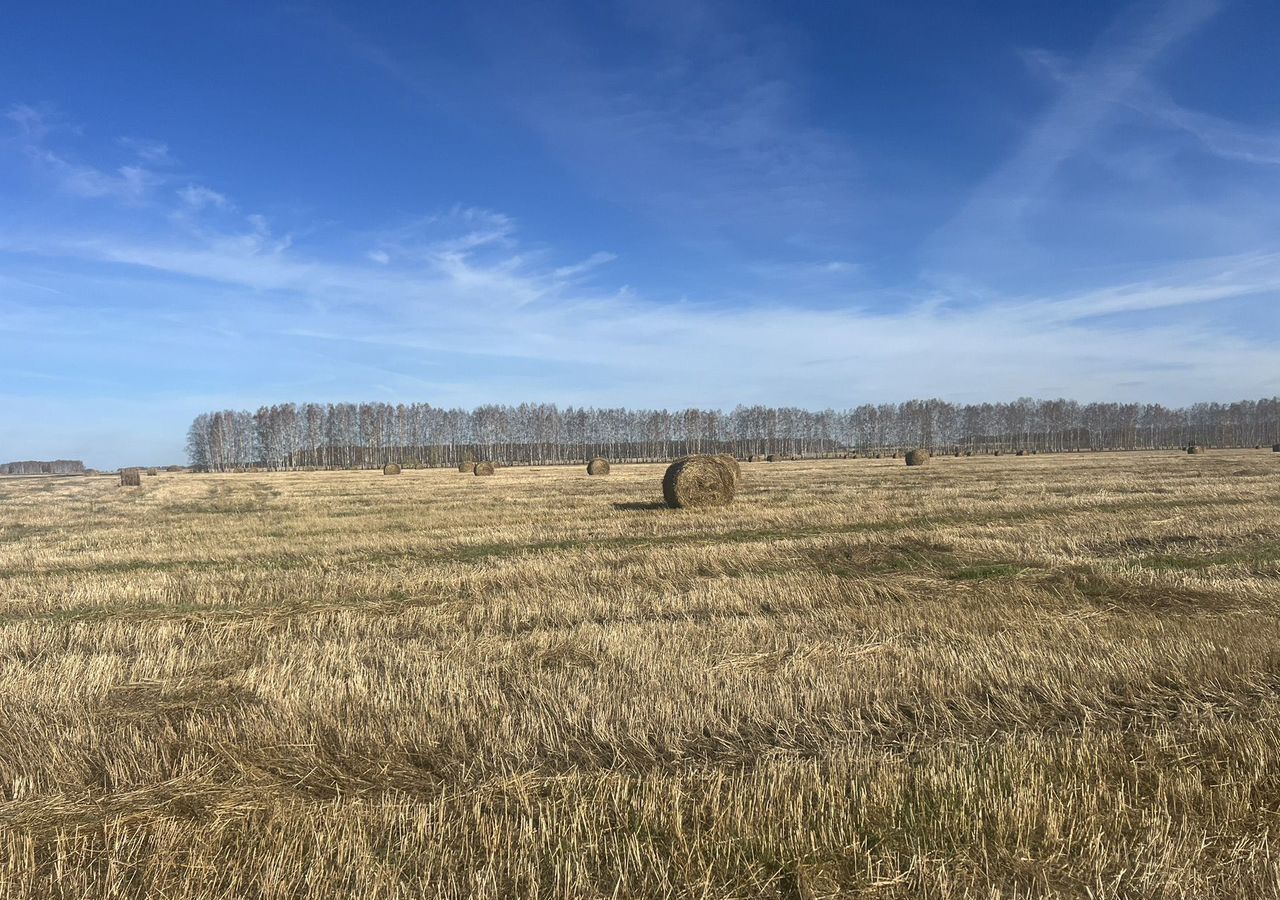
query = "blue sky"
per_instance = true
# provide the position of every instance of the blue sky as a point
(649, 204)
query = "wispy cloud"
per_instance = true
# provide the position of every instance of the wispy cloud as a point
(705, 131)
(196, 197)
(456, 299)
(1090, 97)
(1219, 136)
(127, 183)
(153, 153)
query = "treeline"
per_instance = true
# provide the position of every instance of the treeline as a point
(355, 435)
(43, 467)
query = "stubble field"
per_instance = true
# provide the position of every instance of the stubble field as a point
(1038, 676)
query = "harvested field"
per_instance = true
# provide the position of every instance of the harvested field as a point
(1055, 676)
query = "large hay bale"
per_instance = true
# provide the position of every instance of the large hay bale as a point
(130, 478)
(698, 481)
(1194, 448)
(917, 457)
(483, 468)
(731, 463)
(467, 467)
(391, 469)
(153, 471)
(598, 466)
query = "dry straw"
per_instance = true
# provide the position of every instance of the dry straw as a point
(598, 466)
(698, 481)
(130, 478)
(484, 468)
(731, 463)
(917, 457)
(391, 469)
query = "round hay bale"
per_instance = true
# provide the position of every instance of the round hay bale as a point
(484, 468)
(391, 469)
(1195, 449)
(997, 453)
(753, 458)
(917, 457)
(153, 471)
(698, 481)
(130, 478)
(731, 463)
(598, 466)
(772, 457)
(1022, 453)
(467, 467)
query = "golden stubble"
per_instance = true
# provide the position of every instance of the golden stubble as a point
(1037, 676)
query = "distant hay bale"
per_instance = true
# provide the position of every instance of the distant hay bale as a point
(997, 453)
(1195, 448)
(598, 466)
(698, 481)
(153, 472)
(753, 458)
(173, 468)
(391, 469)
(772, 457)
(731, 463)
(467, 467)
(968, 453)
(130, 478)
(917, 457)
(483, 468)
(1275, 448)
(1022, 453)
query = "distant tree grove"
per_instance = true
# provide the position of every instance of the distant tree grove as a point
(357, 435)
(43, 467)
